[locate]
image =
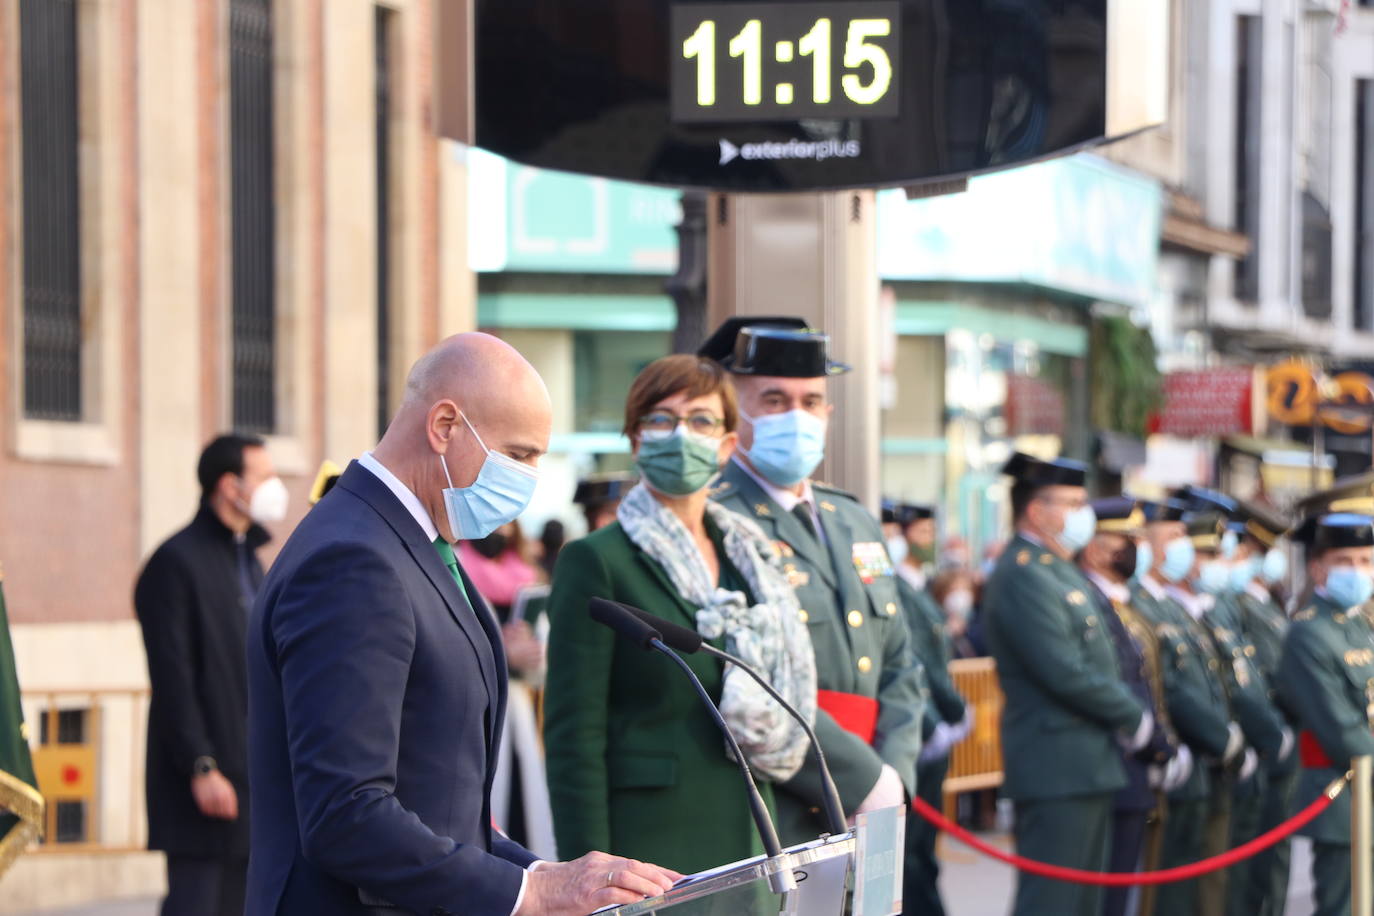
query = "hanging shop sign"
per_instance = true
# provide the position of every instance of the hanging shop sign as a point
(1208, 403)
(1299, 392)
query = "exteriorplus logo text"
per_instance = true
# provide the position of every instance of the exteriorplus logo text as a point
(819, 150)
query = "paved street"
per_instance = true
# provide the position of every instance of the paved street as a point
(973, 886)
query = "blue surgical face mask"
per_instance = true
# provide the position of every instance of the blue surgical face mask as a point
(1212, 577)
(1275, 566)
(787, 446)
(1229, 542)
(503, 489)
(897, 549)
(1079, 527)
(1178, 559)
(1349, 586)
(1242, 573)
(1144, 560)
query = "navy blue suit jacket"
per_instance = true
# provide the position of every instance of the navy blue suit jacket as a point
(376, 697)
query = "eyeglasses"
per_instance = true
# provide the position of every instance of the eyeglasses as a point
(663, 423)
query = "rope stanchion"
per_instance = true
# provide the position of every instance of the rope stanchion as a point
(1118, 879)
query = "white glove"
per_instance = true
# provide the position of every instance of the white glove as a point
(1143, 731)
(937, 746)
(1235, 743)
(964, 726)
(1179, 768)
(1286, 747)
(1251, 764)
(887, 792)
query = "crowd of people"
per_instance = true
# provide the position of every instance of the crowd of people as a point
(1161, 703)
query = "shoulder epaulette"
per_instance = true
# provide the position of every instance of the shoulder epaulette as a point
(720, 489)
(1305, 614)
(818, 485)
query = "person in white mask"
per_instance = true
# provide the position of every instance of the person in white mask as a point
(192, 600)
(1068, 713)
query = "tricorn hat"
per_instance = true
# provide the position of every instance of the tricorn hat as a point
(1331, 532)
(905, 513)
(1118, 515)
(779, 346)
(1036, 472)
(602, 488)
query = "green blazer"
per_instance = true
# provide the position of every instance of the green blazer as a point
(1197, 701)
(636, 767)
(1326, 676)
(1065, 699)
(859, 635)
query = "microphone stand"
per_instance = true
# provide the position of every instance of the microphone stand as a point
(781, 881)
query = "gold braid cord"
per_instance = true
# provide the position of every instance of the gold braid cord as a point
(23, 800)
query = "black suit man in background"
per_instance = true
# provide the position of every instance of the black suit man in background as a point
(192, 600)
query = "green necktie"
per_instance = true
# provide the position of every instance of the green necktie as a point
(802, 512)
(451, 561)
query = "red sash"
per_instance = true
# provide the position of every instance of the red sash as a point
(855, 714)
(1311, 753)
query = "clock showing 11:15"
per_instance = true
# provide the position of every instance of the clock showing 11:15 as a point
(784, 61)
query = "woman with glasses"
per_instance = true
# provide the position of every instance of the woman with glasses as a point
(635, 765)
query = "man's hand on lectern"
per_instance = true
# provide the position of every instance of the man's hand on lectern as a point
(596, 880)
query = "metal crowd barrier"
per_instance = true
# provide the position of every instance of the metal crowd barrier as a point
(88, 754)
(976, 762)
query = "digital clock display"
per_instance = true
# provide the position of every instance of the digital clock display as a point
(784, 61)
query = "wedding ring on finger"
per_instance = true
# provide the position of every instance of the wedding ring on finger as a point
(610, 879)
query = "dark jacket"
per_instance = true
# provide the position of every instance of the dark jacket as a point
(188, 601)
(377, 693)
(636, 767)
(1135, 671)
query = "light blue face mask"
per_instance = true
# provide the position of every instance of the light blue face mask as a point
(1348, 586)
(503, 489)
(1079, 527)
(1178, 559)
(1275, 566)
(1242, 574)
(787, 446)
(1229, 542)
(1144, 560)
(1213, 576)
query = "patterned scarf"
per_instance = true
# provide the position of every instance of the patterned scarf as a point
(769, 636)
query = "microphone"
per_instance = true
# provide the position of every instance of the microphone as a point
(631, 628)
(689, 641)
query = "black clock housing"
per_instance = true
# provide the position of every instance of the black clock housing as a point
(913, 90)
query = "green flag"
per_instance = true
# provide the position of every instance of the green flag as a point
(21, 807)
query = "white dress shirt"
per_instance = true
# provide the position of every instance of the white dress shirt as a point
(1115, 591)
(786, 497)
(1195, 605)
(417, 511)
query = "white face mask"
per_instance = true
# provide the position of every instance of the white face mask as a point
(269, 502)
(959, 603)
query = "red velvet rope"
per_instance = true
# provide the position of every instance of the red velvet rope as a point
(1167, 876)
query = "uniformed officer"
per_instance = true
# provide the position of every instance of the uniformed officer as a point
(911, 534)
(1196, 698)
(1203, 596)
(599, 496)
(1067, 710)
(947, 719)
(1113, 558)
(872, 689)
(1326, 676)
(1261, 561)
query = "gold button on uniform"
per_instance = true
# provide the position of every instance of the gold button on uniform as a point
(1212, 664)
(891, 608)
(803, 615)
(865, 664)
(856, 619)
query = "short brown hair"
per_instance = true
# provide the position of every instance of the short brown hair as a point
(679, 374)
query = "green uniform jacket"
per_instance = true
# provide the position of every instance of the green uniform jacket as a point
(636, 767)
(1326, 676)
(860, 638)
(1065, 700)
(1198, 706)
(932, 646)
(1258, 717)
